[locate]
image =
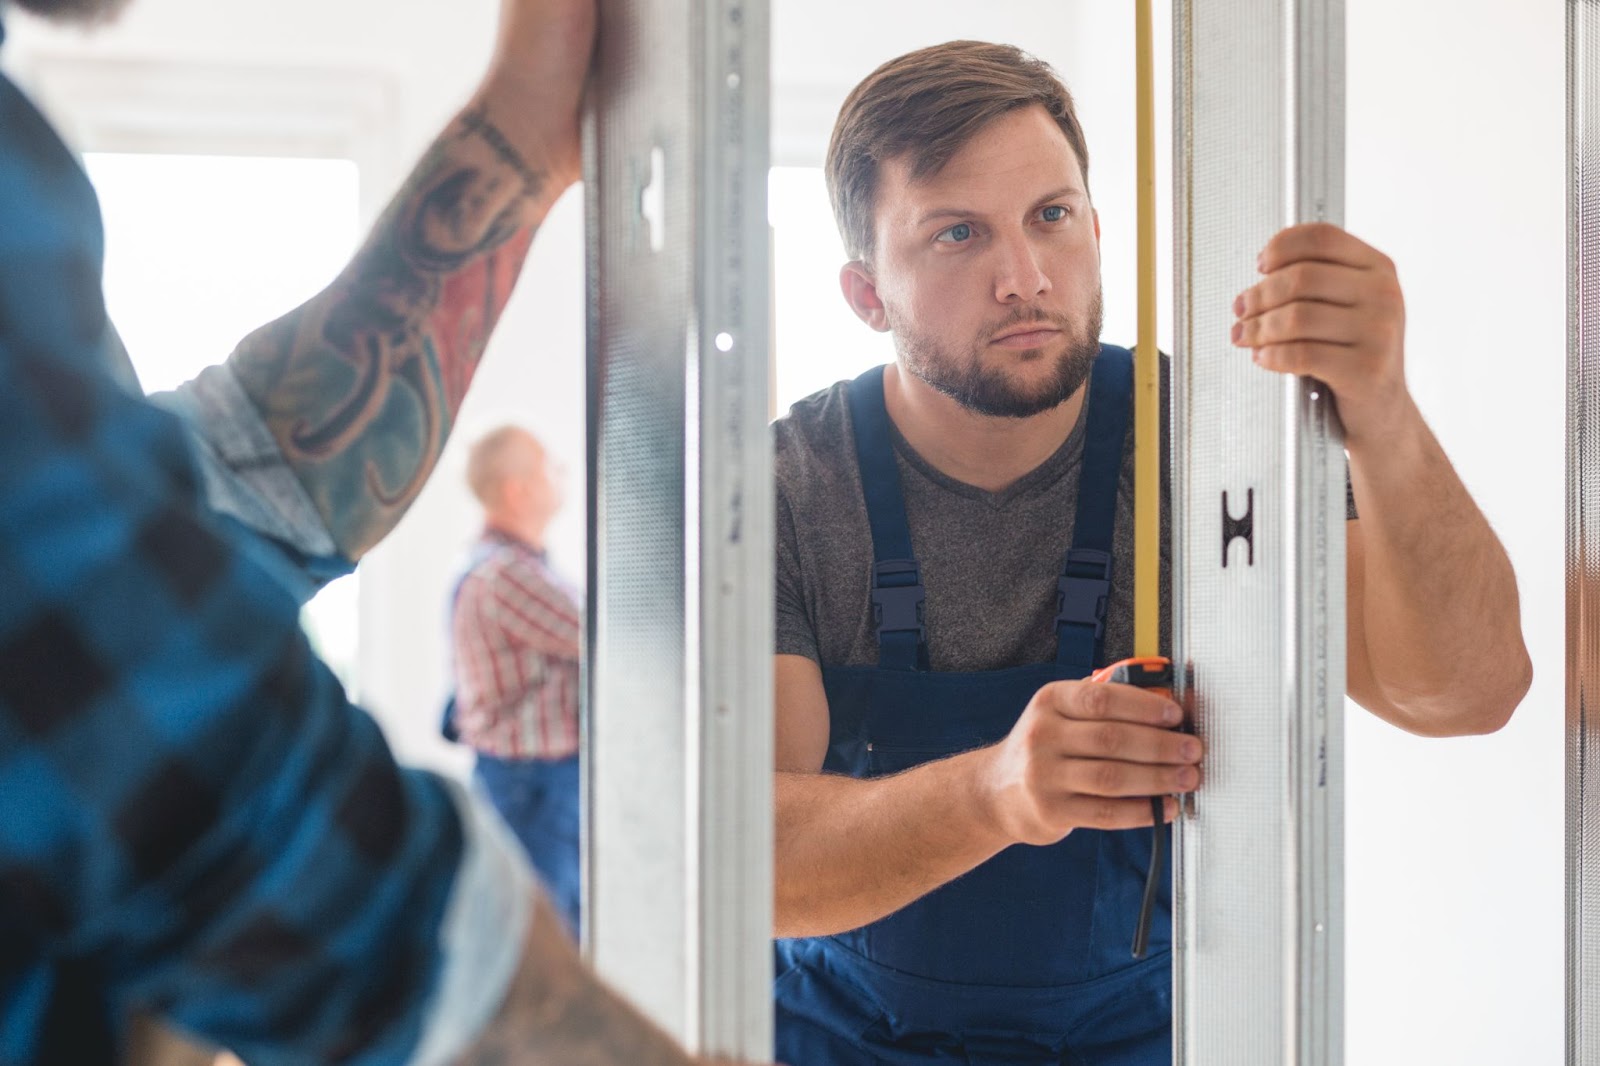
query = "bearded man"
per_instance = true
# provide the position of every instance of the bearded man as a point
(960, 860)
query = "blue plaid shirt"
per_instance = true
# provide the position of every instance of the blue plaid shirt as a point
(194, 822)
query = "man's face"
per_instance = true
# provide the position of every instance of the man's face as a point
(538, 479)
(988, 273)
(87, 11)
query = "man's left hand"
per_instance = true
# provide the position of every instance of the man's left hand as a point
(1329, 306)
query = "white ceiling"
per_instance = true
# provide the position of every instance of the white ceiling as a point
(814, 41)
(433, 50)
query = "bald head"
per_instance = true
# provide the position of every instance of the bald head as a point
(510, 474)
(501, 455)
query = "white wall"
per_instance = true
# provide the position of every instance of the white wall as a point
(1456, 155)
(1455, 169)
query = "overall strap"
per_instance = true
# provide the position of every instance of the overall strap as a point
(898, 596)
(1085, 583)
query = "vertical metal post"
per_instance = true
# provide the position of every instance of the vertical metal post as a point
(1259, 561)
(678, 740)
(1583, 531)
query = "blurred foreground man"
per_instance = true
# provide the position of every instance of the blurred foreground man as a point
(194, 822)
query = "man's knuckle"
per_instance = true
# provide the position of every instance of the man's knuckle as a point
(1106, 739)
(1107, 778)
(1298, 284)
(1092, 701)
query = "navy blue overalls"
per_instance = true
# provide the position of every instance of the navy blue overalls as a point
(1025, 959)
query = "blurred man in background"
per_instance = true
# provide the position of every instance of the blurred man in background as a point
(514, 629)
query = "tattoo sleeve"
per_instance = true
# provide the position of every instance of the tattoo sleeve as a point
(361, 385)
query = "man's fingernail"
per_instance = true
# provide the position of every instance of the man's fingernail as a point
(1172, 714)
(1191, 748)
(1238, 305)
(1238, 331)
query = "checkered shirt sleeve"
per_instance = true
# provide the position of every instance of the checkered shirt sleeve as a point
(193, 819)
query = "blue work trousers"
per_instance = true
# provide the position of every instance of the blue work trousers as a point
(538, 798)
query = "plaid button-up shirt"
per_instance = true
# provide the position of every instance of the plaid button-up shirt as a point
(194, 821)
(515, 628)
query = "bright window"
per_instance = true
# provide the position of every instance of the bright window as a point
(819, 339)
(200, 251)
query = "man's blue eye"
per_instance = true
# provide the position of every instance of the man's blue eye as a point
(961, 231)
(1054, 213)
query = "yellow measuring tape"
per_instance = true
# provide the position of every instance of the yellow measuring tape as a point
(1146, 364)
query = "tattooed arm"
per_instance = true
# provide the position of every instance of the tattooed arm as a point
(557, 1011)
(361, 385)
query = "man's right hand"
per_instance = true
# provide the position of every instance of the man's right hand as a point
(1086, 755)
(536, 80)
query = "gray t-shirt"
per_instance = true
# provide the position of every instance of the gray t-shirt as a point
(989, 559)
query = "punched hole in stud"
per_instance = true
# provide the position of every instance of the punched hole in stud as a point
(724, 342)
(653, 199)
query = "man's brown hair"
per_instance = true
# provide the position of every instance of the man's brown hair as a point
(926, 105)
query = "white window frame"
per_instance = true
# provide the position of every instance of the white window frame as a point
(183, 107)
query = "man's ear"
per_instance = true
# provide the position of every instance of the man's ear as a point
(861, 293)
(1096, 216)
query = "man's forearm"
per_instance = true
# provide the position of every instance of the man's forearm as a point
(850, 851)
(1443, 625)
(557, 1011)
(361, 385)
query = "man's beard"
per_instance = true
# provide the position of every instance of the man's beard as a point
(989, 390)
(85, 12)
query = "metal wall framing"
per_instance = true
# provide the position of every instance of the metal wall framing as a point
(678, 729)
(1259, 562)
(1583, 531)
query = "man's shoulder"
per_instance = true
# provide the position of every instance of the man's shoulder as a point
(492, 560)
(813, 445)
(498, 562)
(824, 414)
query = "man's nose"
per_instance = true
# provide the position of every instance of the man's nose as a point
(1019, 274)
